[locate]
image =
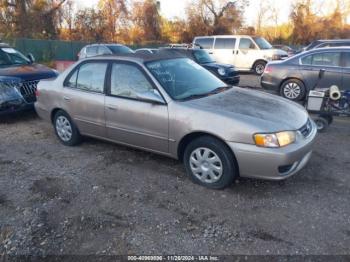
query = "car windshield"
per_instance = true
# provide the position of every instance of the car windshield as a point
(10, 56)
(262, 43)
(120, 49)
(203, 57)
(184, 79)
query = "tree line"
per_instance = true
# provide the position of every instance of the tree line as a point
(140, 22)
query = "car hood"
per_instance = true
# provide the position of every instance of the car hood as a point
(267, 112)
(274, 51)
(28, 72)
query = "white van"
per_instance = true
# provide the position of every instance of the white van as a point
(244, 52)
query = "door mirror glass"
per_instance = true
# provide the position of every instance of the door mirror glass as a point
(31, 58)
(151, 96)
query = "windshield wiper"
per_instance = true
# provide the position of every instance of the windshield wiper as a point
(214, 91)
(219, 90)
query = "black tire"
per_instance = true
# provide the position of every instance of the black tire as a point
(293, 89)
(225, 155)
(75, 137)
(259, 67)
(321, 123)
(328, 117)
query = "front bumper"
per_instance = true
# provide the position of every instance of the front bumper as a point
(274, 163)
(232, 80)
(14, 106)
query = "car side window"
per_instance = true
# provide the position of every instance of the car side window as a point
(306, 60)
(128, 80)
(347, 59)
(326, 59)
(88, 77)
(206, 43)
(225, 43)
(246, 43)
(91, 51)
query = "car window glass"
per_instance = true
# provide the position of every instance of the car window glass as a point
(225, 43)
(306, 60)
(72, 81)
(347, 59)
(102, 50)
(128, 81)
(206, 43)
(326, 59)
(91, 50)
(91, 77)
(246, 43)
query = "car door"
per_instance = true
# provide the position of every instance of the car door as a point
(130, 120)
(83, 97)
(224, 50)
(346, 71)
(246, 54)
(329, 63)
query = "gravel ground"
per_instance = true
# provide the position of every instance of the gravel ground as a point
(101, 198)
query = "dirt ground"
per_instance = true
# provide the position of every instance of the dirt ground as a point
(102, 198)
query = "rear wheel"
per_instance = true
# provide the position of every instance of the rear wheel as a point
(259, 67)
(65, 129)
(321, 123)
(210, 163)
(293, 89)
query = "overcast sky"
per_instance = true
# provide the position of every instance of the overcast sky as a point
(171, 8)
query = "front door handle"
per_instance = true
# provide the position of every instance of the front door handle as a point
(110, 107)
(66, 98)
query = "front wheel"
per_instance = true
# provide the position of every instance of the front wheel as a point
(293, 89)
(210, 163)
(259, 67)
(321, 123)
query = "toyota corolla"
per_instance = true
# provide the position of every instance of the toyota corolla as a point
(173, 106)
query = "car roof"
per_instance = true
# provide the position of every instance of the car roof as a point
(104, 44)
(224, 36)
(336, 48)
(138, 57)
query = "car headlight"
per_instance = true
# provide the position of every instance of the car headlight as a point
(279, 139)
(221, 71)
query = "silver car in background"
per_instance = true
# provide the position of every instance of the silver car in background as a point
(173, 106)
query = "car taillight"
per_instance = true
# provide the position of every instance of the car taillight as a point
(37, 93)
(268, 69)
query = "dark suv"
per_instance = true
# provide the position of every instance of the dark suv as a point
(227, 73)
(19, 76)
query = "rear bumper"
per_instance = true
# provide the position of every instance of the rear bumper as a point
(274, 163)
(269, 83)
(42, 113)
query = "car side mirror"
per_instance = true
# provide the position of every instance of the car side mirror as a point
(31, 58)
(151, 96)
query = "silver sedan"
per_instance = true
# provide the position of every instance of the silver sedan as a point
(173, 106)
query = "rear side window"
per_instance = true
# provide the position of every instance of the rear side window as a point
(322, 59)
(246, 43)
(206, 43)
(88, 77)
(225, 43)
(347, 59)
(91, 50)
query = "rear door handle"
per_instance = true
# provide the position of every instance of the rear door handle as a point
(210, 53)
(66, 98)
